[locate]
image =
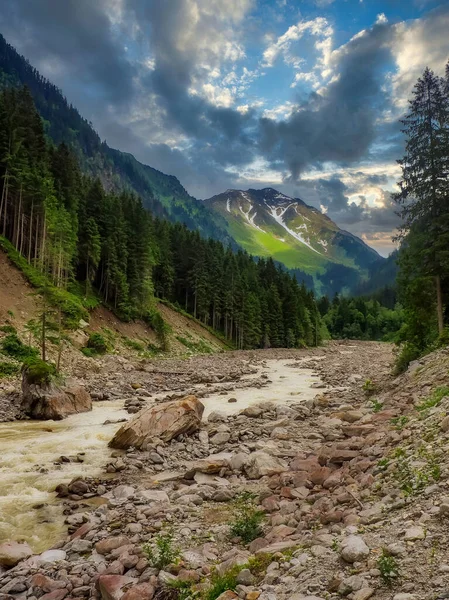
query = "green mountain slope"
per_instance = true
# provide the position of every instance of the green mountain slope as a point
(162, 194)
(268, 223)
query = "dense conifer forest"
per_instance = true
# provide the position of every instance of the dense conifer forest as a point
(92, 242)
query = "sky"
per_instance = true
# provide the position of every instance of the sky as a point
(301, 95)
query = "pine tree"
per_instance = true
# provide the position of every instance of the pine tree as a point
(424, 187)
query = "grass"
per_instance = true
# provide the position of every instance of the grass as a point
(222, 583)
(434, 399)
(376, 405)
(199, 347)
(71, 306)
(133, 344)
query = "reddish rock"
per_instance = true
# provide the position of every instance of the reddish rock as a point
(286, 492)
(46, 584)
(113, 587)
(319, 475)
(81, 531)
(357, 430)
(304, 464)
(338, 456)
(55, 595)
(333, 516)
(334, 480)
(111, 543)
(142, 591)
(257, 544)
(165, 421)
(12, 553)
(270, 504)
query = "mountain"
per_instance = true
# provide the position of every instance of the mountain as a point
(162, 194)
(268, 223)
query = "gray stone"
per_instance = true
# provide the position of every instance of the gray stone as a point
(354, 549)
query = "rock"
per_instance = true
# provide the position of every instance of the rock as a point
(51, 556)
(165, 421)
(111, 543)
(363, 594)
(354, 549)
(49, 401)
(12, 553)
(228, 595)
(245, 577)
(112, 587)
(210, 464)
(223, 495)
(252, 411)
(277, 547)
(259, 464)
(414, 533)
(405, 597)
(220, 438)
(216, 416)
(123, 492)
(142, 591)
(445, 424)
(302, 597)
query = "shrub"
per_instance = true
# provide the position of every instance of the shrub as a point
(388, 567)
(376, 406)
(39, 372)
(161, 551)
(8, 329)
(407, 354)
(8, 369)
(247, 522)
(97, 344)
(222, 583)
(369, 387)
(14, 347)
(155, 320)
(434, 399)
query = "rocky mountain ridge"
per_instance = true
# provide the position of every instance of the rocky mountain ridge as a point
(268, 223)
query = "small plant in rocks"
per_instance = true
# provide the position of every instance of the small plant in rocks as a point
(369, 387)
(388, 567)
(399, 422)
(376, 405)
(222, 583)
(161, 550)
(247, 521)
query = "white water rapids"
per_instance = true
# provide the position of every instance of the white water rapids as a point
(28, 450)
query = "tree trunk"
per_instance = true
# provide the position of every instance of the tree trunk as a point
(439, 305)
(30, 233)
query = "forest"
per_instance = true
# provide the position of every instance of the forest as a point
(93, 243)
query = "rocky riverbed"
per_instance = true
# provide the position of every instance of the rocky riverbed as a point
(352, 484)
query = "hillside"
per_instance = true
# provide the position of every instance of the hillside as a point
(162, 194)
(20, 305)
(268, 223)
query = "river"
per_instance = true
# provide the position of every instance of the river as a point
(29, 449)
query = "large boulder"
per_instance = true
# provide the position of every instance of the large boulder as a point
(165, 421)
(12, 553)
(48, 401)
(260, 463)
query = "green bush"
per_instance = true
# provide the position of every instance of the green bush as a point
(14, 347)
(222, 583)
(247, 521)
(388, 567)
(39, 372)
(155, 320)
(8, 329)
(8, 369)
(97, 344)
(161, 551)
(406, 355)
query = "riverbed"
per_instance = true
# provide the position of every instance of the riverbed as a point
(29, 449)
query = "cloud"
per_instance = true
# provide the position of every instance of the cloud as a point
(337, 124)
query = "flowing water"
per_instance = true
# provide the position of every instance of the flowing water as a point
(28, 451)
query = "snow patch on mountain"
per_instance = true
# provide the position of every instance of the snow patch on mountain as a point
(278, 212)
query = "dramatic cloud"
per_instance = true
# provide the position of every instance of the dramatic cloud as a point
(243, 92)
